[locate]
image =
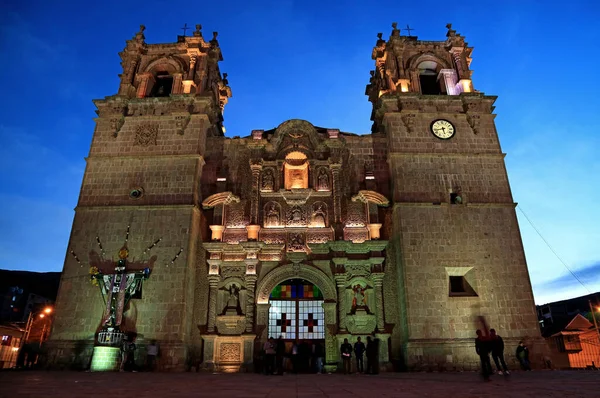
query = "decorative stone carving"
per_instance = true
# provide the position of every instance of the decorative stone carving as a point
(296, 242)
(474, 122)
(116, 124)
(359, 298)
(230, 352)
(296, 217)
(271, 236)
(235, 235)
(356, 235)
(319, 215)
(235, 215)
(355, 215)
(354, 270)
(323, 180)
(231, 324)
(181, 123)
(319, 236)
(409, 122)
(267, 181)
(146, 134)
(361, 322)
(272, 218)
(232, 271)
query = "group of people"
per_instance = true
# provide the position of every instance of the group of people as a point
(128, 349)
(299, 356)
(372, 353)
(494, 344)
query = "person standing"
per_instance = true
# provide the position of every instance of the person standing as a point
(359, 350)
(498, 352)
(346, 350)
(269, 348)
(482, 346)
(279, 353)
(151, 354)
(319, 355)
(523, 356)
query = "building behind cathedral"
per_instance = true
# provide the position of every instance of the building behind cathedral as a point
(311, 233)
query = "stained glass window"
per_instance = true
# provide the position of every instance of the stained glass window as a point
(296, 311)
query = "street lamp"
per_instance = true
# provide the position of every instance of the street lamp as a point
(32, 315)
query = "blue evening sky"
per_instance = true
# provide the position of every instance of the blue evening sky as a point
(308, 60)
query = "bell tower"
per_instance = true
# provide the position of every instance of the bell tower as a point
(455, 238)
(143, 176)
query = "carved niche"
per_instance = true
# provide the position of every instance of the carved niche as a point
(267, 181)
(318, 217)
(272, 215)
(296, 217)
(323, 180)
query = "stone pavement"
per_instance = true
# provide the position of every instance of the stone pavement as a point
(179, 385)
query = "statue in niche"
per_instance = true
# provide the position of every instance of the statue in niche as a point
(296, 215)
(319, 217)
(272, 216)
(268, 181)
(359, 298)
(233, 300)
(323, 180)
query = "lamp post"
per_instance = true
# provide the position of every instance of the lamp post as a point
(30, 318)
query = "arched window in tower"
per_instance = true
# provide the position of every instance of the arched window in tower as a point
(428, 78)
(296, 171)
(163, 85)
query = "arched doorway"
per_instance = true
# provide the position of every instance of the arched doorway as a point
(296, 314)
(296, 311)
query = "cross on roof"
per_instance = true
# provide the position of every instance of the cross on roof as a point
(408, 28)
(185, 28)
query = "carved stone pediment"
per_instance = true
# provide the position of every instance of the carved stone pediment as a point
(231, 324)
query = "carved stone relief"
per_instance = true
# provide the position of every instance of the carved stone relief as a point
(230, 352)
(319, 235)
(271, 236)
(323, 181)
(355, 214)
(232, 271)
(267, 183)
(235, 215)
(296, 242)
(319, 215)
(272, 215)
(235, 235)
(146, 134)
(296, 217)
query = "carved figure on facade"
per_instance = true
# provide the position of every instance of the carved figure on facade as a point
(296, 242)
(268, 181)
(296, 217)
(319, 216)
(359, 297)
(231, 297)
(272, 216)
(323, 180)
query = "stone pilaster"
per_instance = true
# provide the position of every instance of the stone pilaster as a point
(337, 203)
(213, 281)
(378, 282)
(146, 82)
(341, 289)
(250, 278)
(256, 168)
(177, 85)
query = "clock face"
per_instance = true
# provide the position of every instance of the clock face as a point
(442, 129)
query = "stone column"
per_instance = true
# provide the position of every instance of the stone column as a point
(337, 207)
(449, 77)
(378, 282)
(250, 278)
(146, 83)
(256, 168)
(213, 281)
(341, 289)
(177, 86)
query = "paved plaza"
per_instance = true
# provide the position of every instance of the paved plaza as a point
(177, 385)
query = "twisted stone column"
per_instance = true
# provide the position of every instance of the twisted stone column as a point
(213, 281)
(378, 282)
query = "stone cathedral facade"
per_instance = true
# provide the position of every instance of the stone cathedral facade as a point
(408, 234)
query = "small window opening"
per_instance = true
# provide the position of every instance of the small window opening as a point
(429, 83)
(460, 287)
(455, 199)
(163, 85)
